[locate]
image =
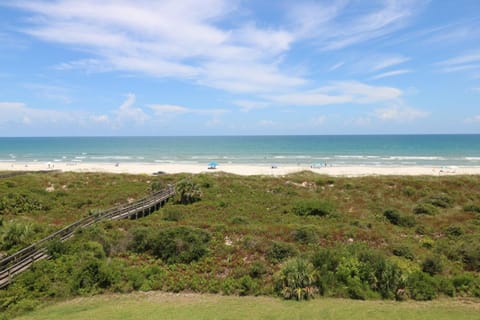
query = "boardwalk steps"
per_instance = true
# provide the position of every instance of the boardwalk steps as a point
(20, 261)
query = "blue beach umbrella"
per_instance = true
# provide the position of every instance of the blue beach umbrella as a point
(212, 165)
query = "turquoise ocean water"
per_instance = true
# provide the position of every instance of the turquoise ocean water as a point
(380, 150)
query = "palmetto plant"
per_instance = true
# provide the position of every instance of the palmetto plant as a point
(187, 191)
(296, 280)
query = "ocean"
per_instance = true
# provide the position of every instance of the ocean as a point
(339, 150)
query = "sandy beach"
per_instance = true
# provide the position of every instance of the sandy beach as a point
(239, 169)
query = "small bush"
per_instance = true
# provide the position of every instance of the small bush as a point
(392, 215)
(421, 286)
(187, 191)
(454, 231)
(172, 214)
(396, 218)
(409, 191)
(156, 186)
(57, 248)
(279, 251)
(403, 251)
(425, 208)
(314, 208)
(306, 234)
(326, 260)
(472, 208)
(440, 201)
(238, 220)
(296, 280)
(470, 253)
(432, 265)
(142, 240)
(257, 269)
(180, 244)
(16, 235)
(467, 284)
(446, 286)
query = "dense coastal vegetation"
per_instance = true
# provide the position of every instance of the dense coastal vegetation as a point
(297, 237)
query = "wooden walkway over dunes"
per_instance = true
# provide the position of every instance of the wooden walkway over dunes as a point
(20, 261)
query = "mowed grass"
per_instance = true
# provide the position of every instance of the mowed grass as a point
(197, 306)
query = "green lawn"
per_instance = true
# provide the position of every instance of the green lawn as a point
(195, 306)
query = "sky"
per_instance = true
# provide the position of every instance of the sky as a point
(233, 67)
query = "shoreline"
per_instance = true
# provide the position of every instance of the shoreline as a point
(238, 169)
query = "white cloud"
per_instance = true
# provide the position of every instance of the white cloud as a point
(168, 109)
(100, 118)
(17, 112)
(266, 123)
(248, 105)
(181, 39)
(318, 121)
(247, 78)
(464, 62)
(127, 113)
(388, 62)
(188, 39)
(336, 66)
(400, 113)
(340, 24)
(391, 74)
(474, 119)
(338, 93)
(51, 92)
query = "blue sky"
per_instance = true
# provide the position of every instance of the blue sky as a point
(227, 67)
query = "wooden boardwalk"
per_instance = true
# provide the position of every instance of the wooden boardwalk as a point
(20, 261)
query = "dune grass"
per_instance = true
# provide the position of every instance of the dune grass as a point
(196, 306)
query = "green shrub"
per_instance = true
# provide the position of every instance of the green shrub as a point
(91, 275)
(156, 186)
(257, 269)
(172, 214)
(470, 253)
(314, 208)
(409, 191)
(425, 208)
(187, 191)
(326, 259)
(432, 265)
(421, 286)
(142, 240)
(180, 244)
(306, 234)
(238, 220)
(454, 231)
(467, 284)
(472, 208)
(392, 215)
(16, 235)
(407, 221)
(296, 280)
(446, 287)
(279, 251)
(440, 201)
(247, 286)
(396, 218)
(57, 248)
(403, 251)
